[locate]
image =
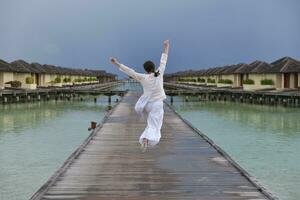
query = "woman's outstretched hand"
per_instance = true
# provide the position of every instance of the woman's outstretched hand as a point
(166, 46)
(114, 61)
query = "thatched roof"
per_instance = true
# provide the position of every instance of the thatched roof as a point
(200, 72)
(216, 70)
(219, 70)
(238, 68)
(184, 73)
(50, 69)
(37, 68)
(4, 66)
(20, 66)
(210, 71)
(99, 72)
(285, 65)
(109, 74)
(191, 72)
(258, 67)
(244, 69)
(181, 73)
(241, 68)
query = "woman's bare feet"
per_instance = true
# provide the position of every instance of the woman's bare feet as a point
(144, 145)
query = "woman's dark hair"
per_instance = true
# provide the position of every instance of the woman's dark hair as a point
(150, 67)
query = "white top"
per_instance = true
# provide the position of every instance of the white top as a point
(147, 80)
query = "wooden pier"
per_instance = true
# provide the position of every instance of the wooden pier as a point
(110, 165)
(285, 97)
(69, 92)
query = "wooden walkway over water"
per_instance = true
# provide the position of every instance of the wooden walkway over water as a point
(66, 92)
(109, 165)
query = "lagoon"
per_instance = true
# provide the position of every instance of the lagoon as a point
(264, 140)
(36, 138)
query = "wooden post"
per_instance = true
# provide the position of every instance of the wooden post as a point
(5, 100)
(284, 101)
(186, 98)
(260, 100)
(93, 125)
(279, 100)
(272, 101)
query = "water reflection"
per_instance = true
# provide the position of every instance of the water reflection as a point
(36, 138)
(272, 119)
(17, 117)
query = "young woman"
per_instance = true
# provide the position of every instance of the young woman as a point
(153, 95)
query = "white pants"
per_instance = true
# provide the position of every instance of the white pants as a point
(155, 111)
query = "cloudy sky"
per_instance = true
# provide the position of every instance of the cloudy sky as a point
(203, 33)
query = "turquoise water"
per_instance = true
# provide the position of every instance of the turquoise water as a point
(36, 138)
(265, 140)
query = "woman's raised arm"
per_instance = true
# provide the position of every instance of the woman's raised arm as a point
(130, 72)
(164, 57)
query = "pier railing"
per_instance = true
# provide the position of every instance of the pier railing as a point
(70, 92)
(288, 97)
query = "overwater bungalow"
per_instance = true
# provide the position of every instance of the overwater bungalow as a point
(227, 77)
(22, 74)
(175, 77)
(201, 79)
(186, 77)
(6, 73)
(285, 72)
(252, 75)
(103, 76)
(210, 76)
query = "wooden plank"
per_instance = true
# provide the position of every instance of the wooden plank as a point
(184, 165)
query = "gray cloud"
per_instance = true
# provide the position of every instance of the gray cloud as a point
(203, 33)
